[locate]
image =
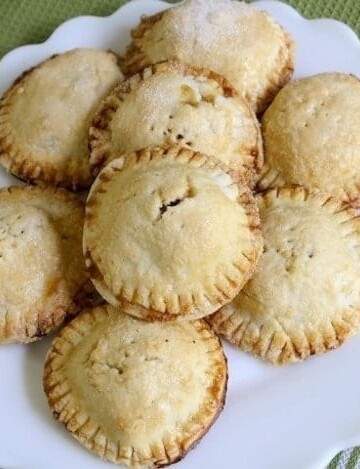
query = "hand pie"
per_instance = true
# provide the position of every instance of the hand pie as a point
(245, 45)
(133, 392)
(171, 103)
(45, 117)
(42, 270)
(168, 229)
(311, 136)
(304, 297)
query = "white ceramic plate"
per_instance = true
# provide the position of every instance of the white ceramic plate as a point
(294, 417)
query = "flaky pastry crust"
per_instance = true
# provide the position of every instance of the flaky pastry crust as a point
(245, 45)
(311, 136)
(304, 297)
(43, 279)
(172, 103)
(133, 392)
(46, 114)
(168, 229)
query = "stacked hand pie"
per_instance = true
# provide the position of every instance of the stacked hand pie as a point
(190, 229)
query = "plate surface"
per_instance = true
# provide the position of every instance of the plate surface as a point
(295, 417)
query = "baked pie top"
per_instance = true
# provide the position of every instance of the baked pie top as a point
(232, 38)
(42, 269)
(135, 392)
(171, 103)
(46, 114)
(304, 297)
(168, 229)
(311, 136)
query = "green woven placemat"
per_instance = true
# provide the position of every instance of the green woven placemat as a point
(29, 21)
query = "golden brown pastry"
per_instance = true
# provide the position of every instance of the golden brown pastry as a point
(168, 229)
(42, 270)
(171, 103)
(304, 298)
(135, 392)
(232, 38)
(311, 136)
(45, 117)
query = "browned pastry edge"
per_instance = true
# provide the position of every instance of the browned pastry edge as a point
(284, 76)
(270, 177)
(135, 60)
(275, 344)
(66, 409)
(99, 134)
(130, 63)
(188, 310)
(49, 320)
(21, 165)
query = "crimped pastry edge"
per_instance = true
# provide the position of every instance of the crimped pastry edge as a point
(274, 344)
(99, 135)
(191, 310)
(66, 409)
(48, 321)
(270, 177)
(21, 165)
(135, 59)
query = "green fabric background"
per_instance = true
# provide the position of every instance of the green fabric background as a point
(29, 21)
